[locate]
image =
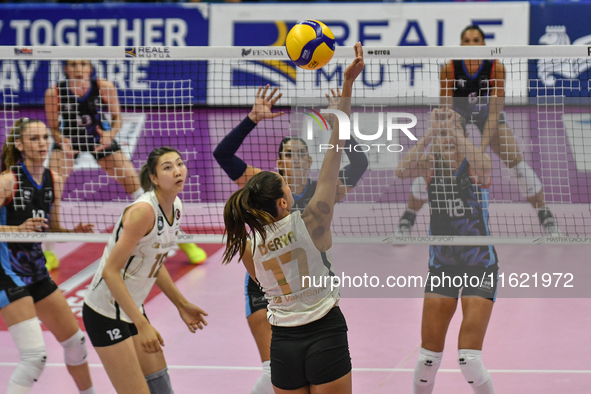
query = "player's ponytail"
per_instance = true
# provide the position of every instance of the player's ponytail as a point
(10, 155)
(255, 206)
(150, 167)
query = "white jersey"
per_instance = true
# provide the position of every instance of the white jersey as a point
(141, 270)
(295, 276)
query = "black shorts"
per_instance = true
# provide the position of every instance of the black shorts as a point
(104, 331)
(38, 290)
(315, 353)
(481, 122)
(255, 297)
(472, 281)
(114, 147)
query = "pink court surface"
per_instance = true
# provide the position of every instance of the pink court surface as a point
(532, 345)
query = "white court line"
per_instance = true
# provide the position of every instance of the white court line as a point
(236, 368)
(79, 278)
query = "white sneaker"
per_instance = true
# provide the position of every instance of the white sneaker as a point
(551, 228)
(403, 229)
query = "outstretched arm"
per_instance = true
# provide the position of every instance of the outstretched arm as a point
(318, 214)
(480, 163)
(413, 164)
(225, 152)
(352, 172)
(496, 105)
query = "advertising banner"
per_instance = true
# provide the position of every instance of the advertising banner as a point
(146, 31)
(560, 24)
(375, 25)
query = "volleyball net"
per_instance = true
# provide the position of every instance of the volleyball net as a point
(189, 98)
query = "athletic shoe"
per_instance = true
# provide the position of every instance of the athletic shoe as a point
(195, 254)
(548, 223)
(403, 229)
(407, 220)
(51, 260)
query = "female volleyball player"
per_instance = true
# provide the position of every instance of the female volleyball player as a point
(458, 175)
(293, 164)
(128, 346)
(84, 115)
(30, 198)
(462, 81)
(309, 348)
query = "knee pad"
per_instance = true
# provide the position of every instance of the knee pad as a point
(159, 382)
(75, 349)
(426, 368)
(28, 338)
(263, 385)
(419, 189)
(472, 367)
(528, 182)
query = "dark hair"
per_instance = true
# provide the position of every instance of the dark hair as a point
(285, 140)
(150, 167)
(10, 155)
(254, 205)
(472, 27)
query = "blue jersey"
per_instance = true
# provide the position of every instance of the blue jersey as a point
(471, 94)
(81, 116)
(29, 200)
(459, 207)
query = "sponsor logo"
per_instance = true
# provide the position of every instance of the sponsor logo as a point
(48, 195)
(486, 285)
(306, 54)
(130, 52)
(262, 52)
(379, 52)
(168, 244)
(27, 194)
(160, 224)
(156, 245)
(549, 70)
(178, 214)
(148, 52)
(23, 51)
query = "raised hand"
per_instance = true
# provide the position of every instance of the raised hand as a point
(357, 65)
(333, 104)
(263, 104)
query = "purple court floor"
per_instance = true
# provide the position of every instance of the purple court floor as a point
(533, 345)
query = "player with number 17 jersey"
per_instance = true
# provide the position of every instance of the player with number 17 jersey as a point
(141, 270)
(294, 299)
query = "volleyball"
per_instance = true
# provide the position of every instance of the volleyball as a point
(310, 44)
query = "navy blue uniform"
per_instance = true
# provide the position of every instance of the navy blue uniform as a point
(459, 206)
(82, 117)
(23, 264)
(255, 297)
(471, 94)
